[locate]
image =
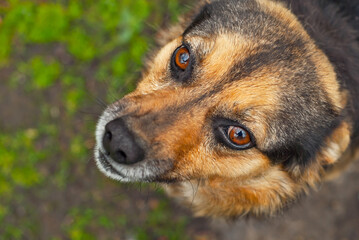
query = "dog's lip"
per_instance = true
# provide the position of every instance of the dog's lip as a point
(107, 165)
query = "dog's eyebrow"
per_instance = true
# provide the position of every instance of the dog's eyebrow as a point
(204, 14)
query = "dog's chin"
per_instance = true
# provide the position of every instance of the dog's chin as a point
(145, 171)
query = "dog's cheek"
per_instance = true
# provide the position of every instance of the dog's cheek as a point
(204, 161)
(243, 164)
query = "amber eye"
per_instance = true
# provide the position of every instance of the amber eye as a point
(182, 57)
(238, 136)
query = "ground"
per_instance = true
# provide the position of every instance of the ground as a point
(59, 62)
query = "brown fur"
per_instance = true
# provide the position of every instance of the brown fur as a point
(173, 120)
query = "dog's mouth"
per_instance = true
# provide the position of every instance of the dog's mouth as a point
(105, 166)
(152, 170)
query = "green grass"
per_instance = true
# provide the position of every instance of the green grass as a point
(62, 55)
(161, 223)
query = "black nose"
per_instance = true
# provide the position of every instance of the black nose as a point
(121, 144)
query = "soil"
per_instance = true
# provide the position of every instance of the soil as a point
(330, 213)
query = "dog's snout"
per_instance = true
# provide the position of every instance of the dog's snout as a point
(120, 143)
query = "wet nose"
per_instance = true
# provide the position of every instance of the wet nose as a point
(120, 143)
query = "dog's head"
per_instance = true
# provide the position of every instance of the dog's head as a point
(242, 92)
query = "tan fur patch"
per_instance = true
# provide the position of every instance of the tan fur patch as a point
(328, 80)
(226, 50)
(154, 80)
(221, 196)
(336, 144)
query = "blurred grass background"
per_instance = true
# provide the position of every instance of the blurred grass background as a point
(59, 61)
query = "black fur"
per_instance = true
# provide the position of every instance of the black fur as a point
(334, 25)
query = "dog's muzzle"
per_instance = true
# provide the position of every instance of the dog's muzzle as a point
(119, 153)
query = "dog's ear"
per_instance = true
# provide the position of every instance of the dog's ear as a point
(327, 157)
(335, 145)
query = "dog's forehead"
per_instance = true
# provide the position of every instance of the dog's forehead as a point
(232, 41)
(218, 15)
(243, 17)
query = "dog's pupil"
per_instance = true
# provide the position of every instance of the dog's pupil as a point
(184, 58)
(239, 133)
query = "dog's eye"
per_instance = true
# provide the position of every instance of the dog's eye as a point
(181, 57)
(232, 134)
(182, 64)
(238, 136)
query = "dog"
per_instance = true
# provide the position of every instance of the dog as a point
(246, 106)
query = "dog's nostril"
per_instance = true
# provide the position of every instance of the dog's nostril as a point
(120, 156)
(108, 135)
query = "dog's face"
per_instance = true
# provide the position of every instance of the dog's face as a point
(242, 93)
